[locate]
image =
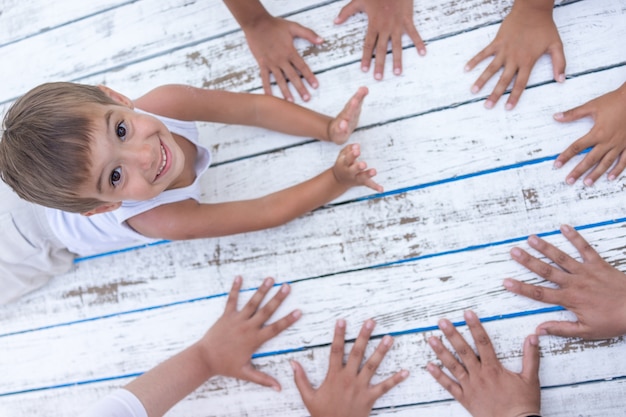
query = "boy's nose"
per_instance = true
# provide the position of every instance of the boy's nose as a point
(143, 156)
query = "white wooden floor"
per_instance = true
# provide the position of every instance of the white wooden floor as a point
(463, 185)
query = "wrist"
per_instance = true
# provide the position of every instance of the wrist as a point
(534, 6)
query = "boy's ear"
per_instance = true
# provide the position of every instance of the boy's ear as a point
(120, 98)
(103, 208)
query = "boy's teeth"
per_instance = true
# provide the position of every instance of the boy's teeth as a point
(163, 160)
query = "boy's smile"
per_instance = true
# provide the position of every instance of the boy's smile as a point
(134, 156)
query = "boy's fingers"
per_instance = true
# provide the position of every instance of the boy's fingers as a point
(479, 57)
(265, 80)
(587, 252)
(448, 360)
(253, 304)
(572, 150)
(381, 55)
(481, 339)
(358, 349)
(462, 348)
(530, 360)
(254, 375)
(416, 38)
(369, 182)
(346, 11)
(383, 387)
(373, 362)
(270, 331)
(555, 254)
(302, 382)
(297, 30)
(521, 79)
(335, 362)
(281, 82)
(562, 328)
(368, 50)
(573, 114)
(540, 268)
(445, 381)
(536, 292)
(558, 62)
(605, 162)
(233, 295)
(619, 166)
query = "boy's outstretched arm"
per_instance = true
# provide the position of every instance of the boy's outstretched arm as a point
(197, 104)
(224, 350)
(481, 384)
(347, 390)
(607, 137)
(189, 219)
(270, 40)
(593, 290)
(526, 34)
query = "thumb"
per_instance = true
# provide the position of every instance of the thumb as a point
(561, 328)
(530, 360)
(347, 11)
(558, 62)
(573, 114)
(250, 373)
(299, 31)
(302, 382)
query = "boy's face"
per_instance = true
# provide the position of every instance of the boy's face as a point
(134, 157)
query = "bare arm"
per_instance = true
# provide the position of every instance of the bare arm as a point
(197, 104)
(225, 350)
(189, 219)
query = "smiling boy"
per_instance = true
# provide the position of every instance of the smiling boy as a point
(114, 173)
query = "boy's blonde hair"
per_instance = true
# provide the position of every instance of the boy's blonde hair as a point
(45, 148)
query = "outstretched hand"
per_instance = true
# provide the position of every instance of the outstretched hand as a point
(607, 137)
(387, 21)
(271, 43)
(593, 290)
(347, 390)
(349, 171)
(342, 126)
(481, 384)
(526, 34)
(229, 344)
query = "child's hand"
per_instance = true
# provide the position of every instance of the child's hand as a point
(525, 34)
(593, 290)
(342, 126)
(481, 384)
(231, 341)
(347, 389)
(386, 21)
(351, 172)
(607, 137)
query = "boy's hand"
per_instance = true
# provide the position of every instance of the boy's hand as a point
(341, 127)
(271, 43)
(351, 172)
(230, 342)
(481, 384)
(593, 290)
(607, 137)
(347, 390)
(525, 34)
(386, 21)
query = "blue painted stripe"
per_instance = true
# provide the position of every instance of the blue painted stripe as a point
(381, 265)
(293, 350)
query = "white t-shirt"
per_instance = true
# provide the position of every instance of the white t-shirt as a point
(106, 232)
(120, 403)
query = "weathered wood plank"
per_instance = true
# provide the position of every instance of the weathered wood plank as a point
(420, 291)
(410, 351)
(19, 19)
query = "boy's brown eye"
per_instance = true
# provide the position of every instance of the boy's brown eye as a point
(116, 176)
(121, 131)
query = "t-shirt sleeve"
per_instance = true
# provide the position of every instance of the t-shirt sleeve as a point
(120, 403)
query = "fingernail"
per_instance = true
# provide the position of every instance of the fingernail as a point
(341, 323)
(543, 332)
(369, 324)
(276, 388)
(508, 284)
(268, 282)
(570, 181)
(612, 177)
(516, 252)
(443, 324)
(467, 68)
(284, 288)
(315, 84)
(404, 373)
(558, 115)
(533, 240)
(588, 182)
(290, 99)
(296, 314)
(558, 164)
(561, 78)
(488, 104)
(422, 52)
(431, 367)
(475, 89)
(365, 69)
(566, 229)
(397, 71)
(469, 315)
(306, 97)
(319, 39)
(378, 76)
(387, 340)
(508, 106)
(533, 339)
(293, 365)
(433, 341)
